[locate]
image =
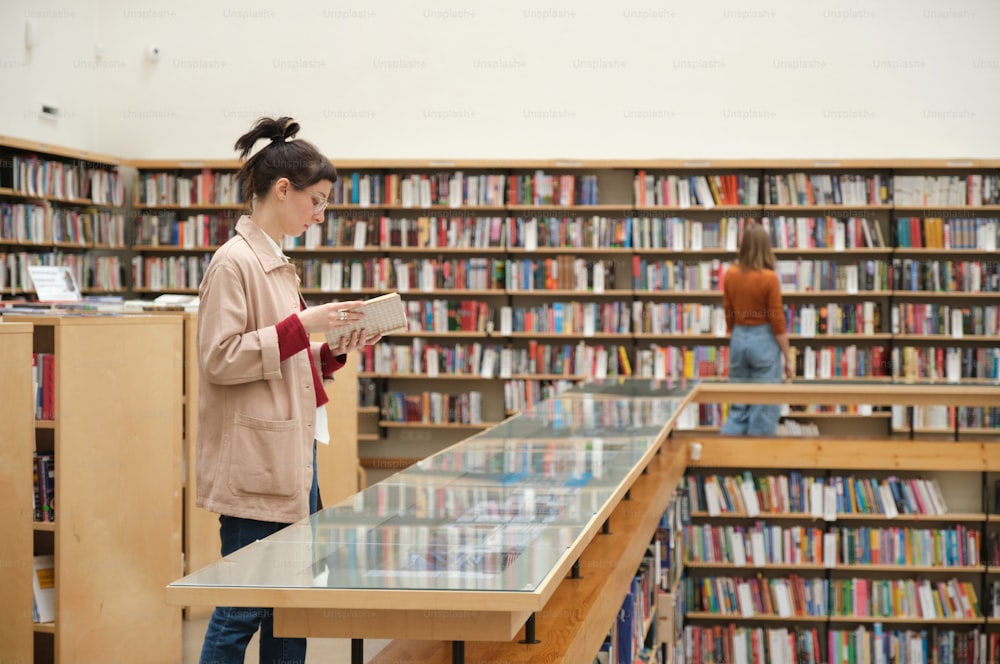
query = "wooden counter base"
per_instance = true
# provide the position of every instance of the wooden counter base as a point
(426, 623)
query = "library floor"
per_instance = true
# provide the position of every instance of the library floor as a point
(327, 651)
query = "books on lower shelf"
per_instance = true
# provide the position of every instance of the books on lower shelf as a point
(877, 644)
(44, 583)
(817, 496)
(45, 487)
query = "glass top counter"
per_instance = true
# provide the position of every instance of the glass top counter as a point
(498, 511)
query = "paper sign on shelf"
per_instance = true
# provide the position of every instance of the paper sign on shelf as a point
(54, 283)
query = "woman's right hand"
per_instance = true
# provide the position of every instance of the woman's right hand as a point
(325, 318)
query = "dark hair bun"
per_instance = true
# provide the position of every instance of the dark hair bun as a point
(299, 161)
(273, 129)
(289, 129)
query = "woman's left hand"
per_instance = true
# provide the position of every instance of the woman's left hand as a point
(352, 342)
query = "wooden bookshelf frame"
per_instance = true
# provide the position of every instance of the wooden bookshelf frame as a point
(17, 441)
(117, 437)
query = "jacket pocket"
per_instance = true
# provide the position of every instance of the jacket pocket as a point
(265, 457)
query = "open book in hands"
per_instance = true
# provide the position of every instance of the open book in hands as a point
(383, 314)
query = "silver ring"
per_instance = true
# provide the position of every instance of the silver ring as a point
(343, 315)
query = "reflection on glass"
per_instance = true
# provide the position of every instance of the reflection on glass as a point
(497, 511)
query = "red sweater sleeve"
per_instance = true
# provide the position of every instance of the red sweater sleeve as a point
(292, 339)
(330, 361)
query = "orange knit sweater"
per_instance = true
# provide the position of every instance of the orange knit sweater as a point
(752, 297)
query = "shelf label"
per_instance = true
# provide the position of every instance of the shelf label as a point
(506, 321)
(954, 366)
(852, 279)
(757, 548)
(829, 503)
(816, 500)
(829, 550)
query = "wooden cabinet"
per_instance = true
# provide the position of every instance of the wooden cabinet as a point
(115, 434)
(16, 444)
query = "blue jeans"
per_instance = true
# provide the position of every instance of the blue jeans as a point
(231, 627)
(754, 357)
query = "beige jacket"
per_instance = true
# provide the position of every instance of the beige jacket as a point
(256, 415)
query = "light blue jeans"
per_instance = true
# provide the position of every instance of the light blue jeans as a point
(754, 357)
(231, 627)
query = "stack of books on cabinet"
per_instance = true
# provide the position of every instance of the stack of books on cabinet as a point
(523, 278)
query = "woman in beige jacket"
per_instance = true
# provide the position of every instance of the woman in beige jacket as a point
(260, 409)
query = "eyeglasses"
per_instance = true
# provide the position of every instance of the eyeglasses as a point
(320, 202)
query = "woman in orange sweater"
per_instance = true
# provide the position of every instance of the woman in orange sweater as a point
(755, 321)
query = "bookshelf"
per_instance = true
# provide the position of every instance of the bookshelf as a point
(61, 206)
(116, 536)
(183, 212)
(17, 434)
(852, 557)
(629, 254)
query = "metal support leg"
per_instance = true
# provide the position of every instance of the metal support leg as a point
(575, 573)
(357, 651)
(606, 528)
(457, 652)
(628, 494)
(529, 631)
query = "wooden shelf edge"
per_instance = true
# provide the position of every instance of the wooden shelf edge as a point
(832, 164)
(846, 454)
(59, 151)
(44, 628)
(705, 615)
(441, 425)
(386, 463)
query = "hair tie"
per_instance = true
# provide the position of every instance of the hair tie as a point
(278, 139)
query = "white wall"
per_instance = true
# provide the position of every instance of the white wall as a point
(519, 79)
(60, 70)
